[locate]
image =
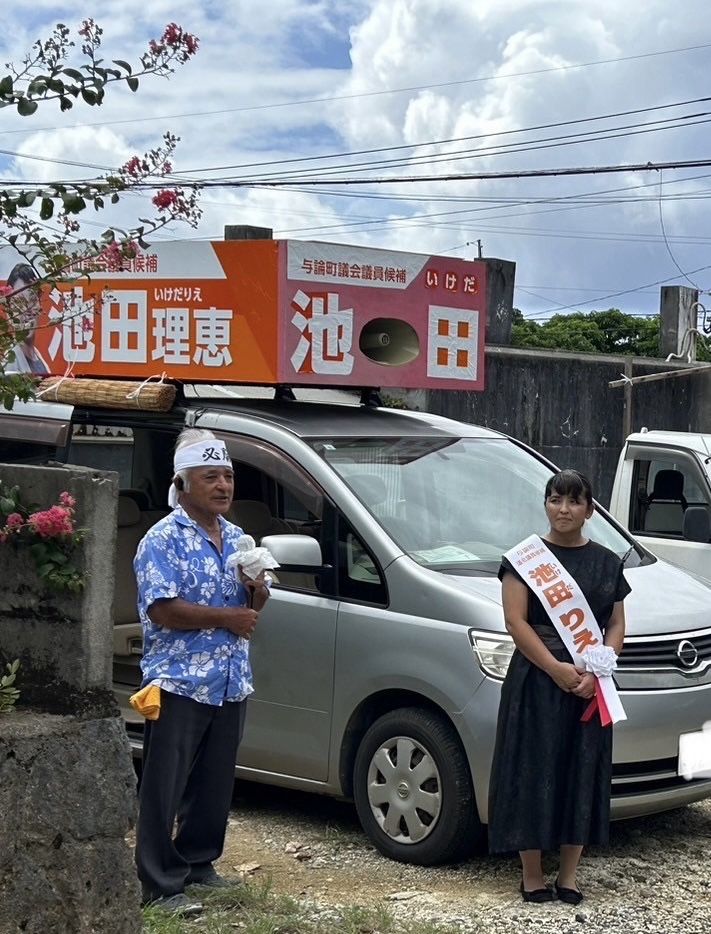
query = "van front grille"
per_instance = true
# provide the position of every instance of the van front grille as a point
(685, 653)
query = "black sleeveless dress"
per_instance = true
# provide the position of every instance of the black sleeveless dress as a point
(551, 775)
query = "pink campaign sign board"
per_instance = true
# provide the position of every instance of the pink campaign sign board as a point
(264, 311)
(356, 316)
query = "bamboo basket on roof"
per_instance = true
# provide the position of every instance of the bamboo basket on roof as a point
(108, 393)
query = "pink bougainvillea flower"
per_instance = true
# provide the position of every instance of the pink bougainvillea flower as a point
(56, 521)
(165, 199)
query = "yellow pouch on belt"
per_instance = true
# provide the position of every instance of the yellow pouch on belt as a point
(147, 701)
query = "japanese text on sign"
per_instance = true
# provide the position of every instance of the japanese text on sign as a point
(133, 333)
(344, 270)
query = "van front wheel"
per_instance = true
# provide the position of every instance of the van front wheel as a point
(413, 789)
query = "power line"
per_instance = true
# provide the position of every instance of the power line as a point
(456, 155)
(604, 298)
(444, 142)
(381, 93)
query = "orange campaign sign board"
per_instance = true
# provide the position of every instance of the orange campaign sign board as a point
(269, 311)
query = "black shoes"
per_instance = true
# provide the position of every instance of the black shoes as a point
(213, 880)
(549, 893)
(568, 896)
(178, 904)
(537, 896)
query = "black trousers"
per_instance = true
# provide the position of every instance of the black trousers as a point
(189, 757)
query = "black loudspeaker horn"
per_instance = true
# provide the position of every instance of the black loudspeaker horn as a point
(389, 341)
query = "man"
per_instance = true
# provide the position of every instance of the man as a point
(198, 616)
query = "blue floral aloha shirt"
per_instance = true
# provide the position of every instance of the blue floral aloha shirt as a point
(176, 558)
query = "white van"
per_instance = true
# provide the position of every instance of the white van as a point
(379, 659)
(662, 494)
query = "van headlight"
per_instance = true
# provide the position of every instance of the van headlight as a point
(493, 653)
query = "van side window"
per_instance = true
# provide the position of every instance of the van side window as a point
(26, 452)
(103, 448)
(665, 486)
(274, 496)
(359, 576)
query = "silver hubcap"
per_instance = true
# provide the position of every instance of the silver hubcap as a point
(404, 790)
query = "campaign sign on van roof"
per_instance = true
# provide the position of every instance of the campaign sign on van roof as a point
(268, 311)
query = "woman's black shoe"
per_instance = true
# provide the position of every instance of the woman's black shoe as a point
(537, 895)
(569, 896)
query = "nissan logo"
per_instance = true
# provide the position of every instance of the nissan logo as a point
(687, 654)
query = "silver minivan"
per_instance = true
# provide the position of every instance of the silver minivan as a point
(379, 659)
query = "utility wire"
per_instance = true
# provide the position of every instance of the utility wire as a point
(381, 93)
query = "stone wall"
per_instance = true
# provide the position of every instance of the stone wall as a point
(67, 785)
(67, 790)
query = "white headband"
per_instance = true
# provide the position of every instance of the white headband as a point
(209, 453)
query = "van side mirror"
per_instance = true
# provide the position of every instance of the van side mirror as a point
(697, 524)
(295, 552)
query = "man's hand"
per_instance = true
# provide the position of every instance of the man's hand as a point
(241, 621)
(256, 588)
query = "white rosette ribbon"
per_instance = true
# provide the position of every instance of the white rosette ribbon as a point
(601, 660)
(252, 559)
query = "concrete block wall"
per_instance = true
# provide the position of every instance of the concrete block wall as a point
(562, 406)
(67, 783)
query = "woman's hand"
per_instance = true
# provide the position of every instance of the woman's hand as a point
(586, 687)
(566, 676)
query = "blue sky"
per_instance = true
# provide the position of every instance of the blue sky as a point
(393, 89)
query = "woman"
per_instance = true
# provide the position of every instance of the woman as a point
(551, 774)
(26, 313)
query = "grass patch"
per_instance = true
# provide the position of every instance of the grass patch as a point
(255, 909)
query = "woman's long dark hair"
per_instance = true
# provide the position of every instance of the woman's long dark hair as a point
(570, 483)
(21, 271)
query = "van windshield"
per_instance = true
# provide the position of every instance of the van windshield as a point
(455, 504)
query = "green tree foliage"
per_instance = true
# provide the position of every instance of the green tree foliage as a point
(57, 70)
(602, 332)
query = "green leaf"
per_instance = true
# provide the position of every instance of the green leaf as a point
(73, 203)
(46, 209)
(6, 86)
(90, 96)
(122, 64)
(26, 107)
(37, 86)
(132, 83)
(7, 506)
(74, 75)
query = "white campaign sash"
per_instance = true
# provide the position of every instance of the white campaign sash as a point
(570, 613)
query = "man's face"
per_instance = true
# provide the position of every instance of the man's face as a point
(211, 489)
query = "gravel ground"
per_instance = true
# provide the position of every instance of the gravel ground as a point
(654, 876)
